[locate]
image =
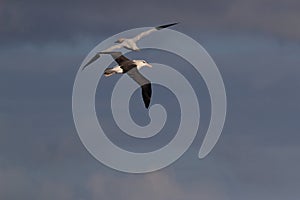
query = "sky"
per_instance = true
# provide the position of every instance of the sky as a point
(256, 46)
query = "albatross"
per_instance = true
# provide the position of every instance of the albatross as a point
(129, 43)
(131, 67)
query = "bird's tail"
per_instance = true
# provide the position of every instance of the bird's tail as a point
(109, 72)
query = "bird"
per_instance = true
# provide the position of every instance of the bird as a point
(131, 68)
(128, 43)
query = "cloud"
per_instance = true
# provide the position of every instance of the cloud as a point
(52, 21)
(156, 185)
(278, 18)
(55, 190)
(15, 183)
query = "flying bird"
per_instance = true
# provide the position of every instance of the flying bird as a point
(131, 67)
(129, 43)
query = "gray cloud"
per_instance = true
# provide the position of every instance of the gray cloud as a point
(53, 21)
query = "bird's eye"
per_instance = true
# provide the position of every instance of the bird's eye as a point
(144, 62)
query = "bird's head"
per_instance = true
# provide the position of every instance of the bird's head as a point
(120, 40)
(141, 63)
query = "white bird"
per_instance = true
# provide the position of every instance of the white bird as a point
(129, 43)
(131, 67)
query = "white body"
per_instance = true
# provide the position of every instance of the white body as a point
(118, 70)
(130, 43)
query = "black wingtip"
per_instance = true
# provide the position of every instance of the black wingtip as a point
(85, 66)
(147, 103)
(165, 26)
(91, 61)
(146, 93)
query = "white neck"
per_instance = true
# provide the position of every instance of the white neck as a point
(139, 67)
(139, 64)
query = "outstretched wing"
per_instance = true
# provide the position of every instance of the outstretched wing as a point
(144, 83)
(146, 93)
(117, 56)
(145, 33)
(165, 26)
(91, 61)
(108, 51)
(114, 47)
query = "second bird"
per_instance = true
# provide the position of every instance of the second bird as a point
(128, 43)
(131, 67)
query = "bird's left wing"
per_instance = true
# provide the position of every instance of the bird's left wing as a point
(144, 83)
(91, 61)
(108, 50)
(117, 56)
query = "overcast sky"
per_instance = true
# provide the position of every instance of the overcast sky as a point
(256, 46)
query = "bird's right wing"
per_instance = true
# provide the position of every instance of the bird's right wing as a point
(145, 33)
(144, 83)
(165, 26)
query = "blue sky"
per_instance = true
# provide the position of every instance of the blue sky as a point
(255, 45)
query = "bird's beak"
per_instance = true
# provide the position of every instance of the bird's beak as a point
(148, 65)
